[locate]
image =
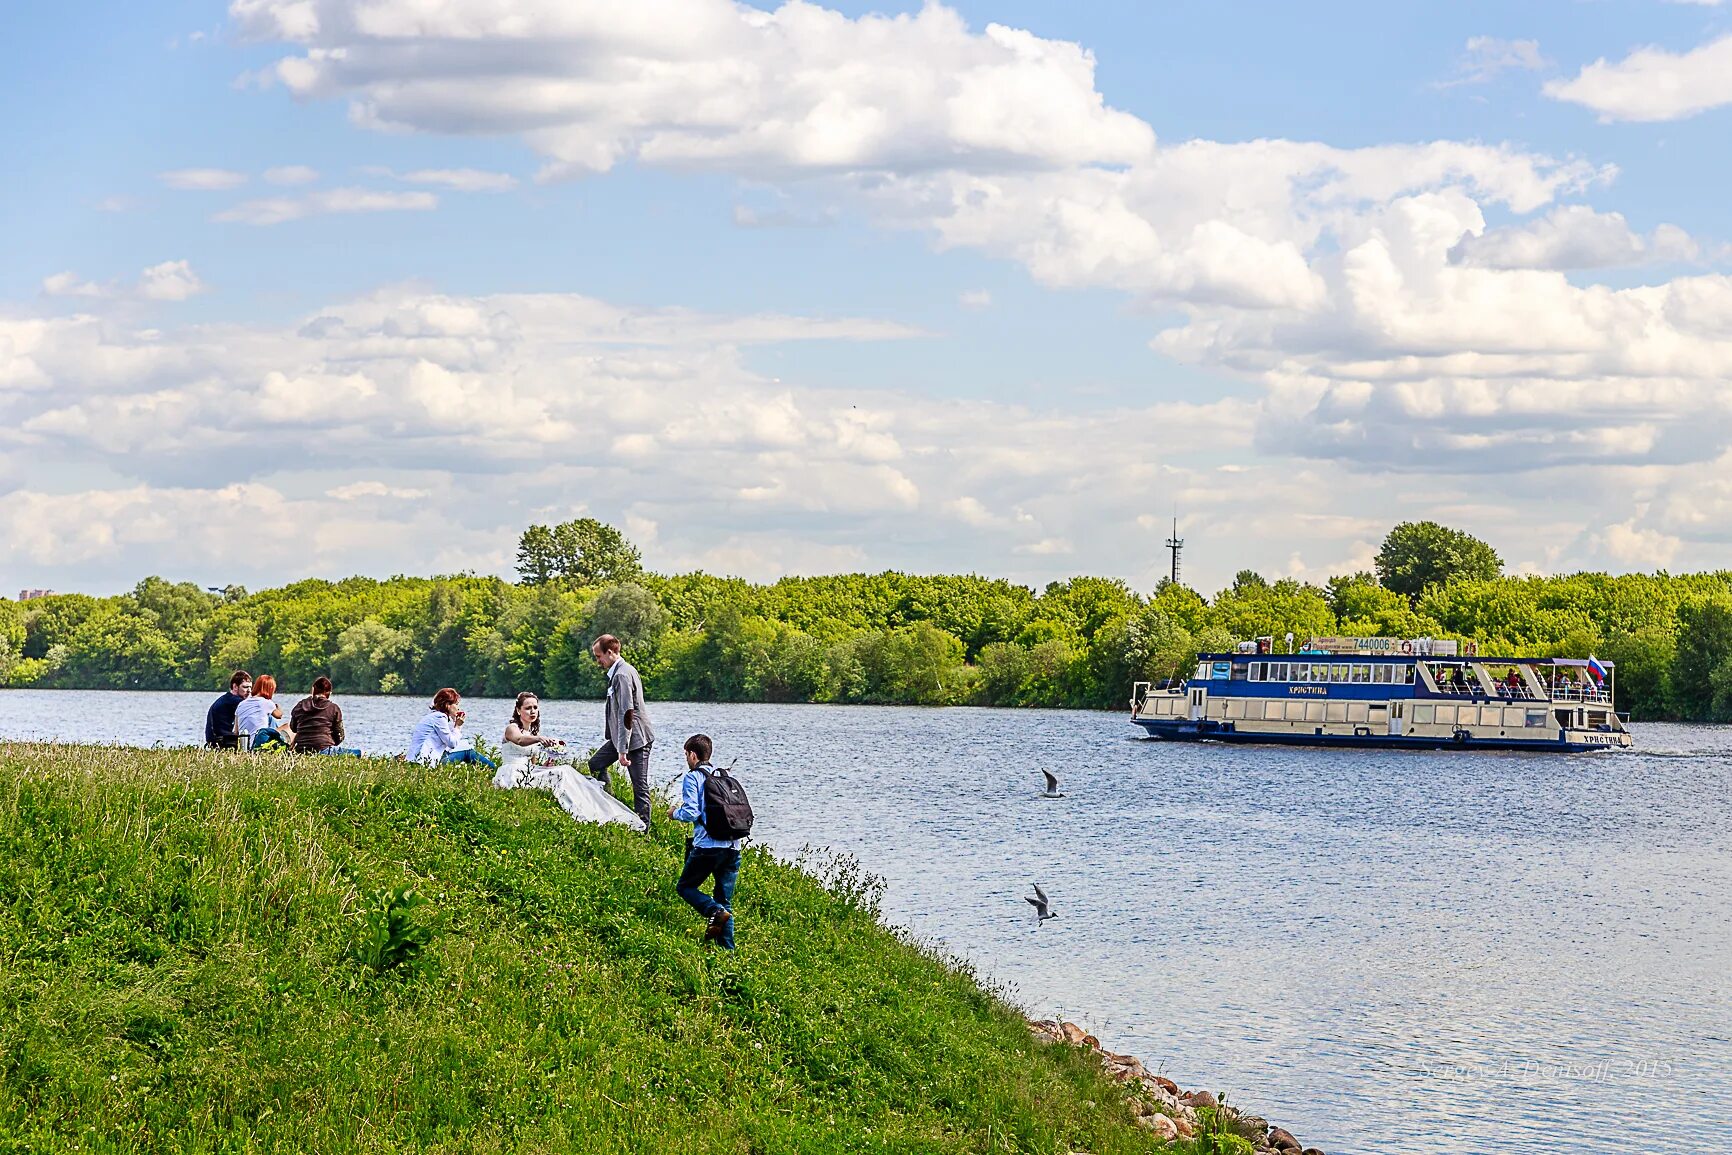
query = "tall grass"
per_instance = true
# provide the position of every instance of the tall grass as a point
(214, 952)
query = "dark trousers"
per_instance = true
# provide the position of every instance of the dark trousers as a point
(639, 770)
(703, 864)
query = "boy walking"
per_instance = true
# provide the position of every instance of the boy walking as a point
(706, 857)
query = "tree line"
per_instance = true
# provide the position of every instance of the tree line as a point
(869, 638)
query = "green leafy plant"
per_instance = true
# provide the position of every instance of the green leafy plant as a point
(391, 934)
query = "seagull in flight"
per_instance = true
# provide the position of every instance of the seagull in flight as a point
(1041, 908)
(1052, 790)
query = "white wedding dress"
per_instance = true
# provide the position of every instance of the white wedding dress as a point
(578, 794)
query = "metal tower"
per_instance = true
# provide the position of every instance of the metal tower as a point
(1175, 543)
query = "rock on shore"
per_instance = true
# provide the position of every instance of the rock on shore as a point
(1169, 1113)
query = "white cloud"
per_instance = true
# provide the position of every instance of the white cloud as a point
(203, 179)
(364, 489)
(707, 83)
(68, 284)
(1573, 237)
(1653, 84)
(276, 210)
(1486, 56)
(168, 281)
(975, 299)
(461, 179)
(291, 174)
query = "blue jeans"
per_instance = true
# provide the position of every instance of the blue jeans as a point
(702, 864)
(471, 756)
(347, 751)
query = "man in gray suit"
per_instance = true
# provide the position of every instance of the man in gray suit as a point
(629, 733)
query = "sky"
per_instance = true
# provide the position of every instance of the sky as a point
(301, 288)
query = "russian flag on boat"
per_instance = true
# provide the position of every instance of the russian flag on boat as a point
(1597, 670)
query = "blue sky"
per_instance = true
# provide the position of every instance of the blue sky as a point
(912, 294)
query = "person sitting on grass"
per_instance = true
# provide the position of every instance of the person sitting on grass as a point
(259, 718)
(438, 736)
(219, 720)
(259, 712)
(318, 722)
(706, 857)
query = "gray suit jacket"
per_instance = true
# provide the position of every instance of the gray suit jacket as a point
(625, 692)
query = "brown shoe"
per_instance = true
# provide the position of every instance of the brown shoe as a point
(718, 927)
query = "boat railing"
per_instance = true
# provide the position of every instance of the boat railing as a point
(1566, 692)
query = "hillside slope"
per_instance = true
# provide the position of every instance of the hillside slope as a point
(184, 966)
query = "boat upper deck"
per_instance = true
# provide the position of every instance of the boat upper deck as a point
(1373, 676)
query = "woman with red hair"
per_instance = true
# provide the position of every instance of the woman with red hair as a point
(439, 736)
(260, 713)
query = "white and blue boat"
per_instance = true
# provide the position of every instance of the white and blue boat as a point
(1415, 693)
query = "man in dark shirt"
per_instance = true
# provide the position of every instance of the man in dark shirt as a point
(219, 720)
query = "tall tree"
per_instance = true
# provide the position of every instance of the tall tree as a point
(585, 551)
(1418, 555)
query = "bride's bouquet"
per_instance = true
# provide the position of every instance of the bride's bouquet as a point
(548, 755)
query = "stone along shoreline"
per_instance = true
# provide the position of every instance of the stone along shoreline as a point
(1168, 1112)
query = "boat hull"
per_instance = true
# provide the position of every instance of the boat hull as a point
(1180, 730)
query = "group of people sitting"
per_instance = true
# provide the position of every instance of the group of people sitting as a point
(248, 717)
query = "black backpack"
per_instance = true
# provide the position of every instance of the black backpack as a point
(727, 810)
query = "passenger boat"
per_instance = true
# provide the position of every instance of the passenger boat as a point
(1416, 693)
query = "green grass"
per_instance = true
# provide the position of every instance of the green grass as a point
(210, 952)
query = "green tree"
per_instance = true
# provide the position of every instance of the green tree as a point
(1702, 666)
(586, 552)
(366, 653)
(1418, 555)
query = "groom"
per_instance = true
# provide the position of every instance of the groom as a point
(629, 733)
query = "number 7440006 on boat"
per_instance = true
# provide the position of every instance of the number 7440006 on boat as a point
(1387, 692)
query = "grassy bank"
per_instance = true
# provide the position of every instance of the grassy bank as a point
(201, 952)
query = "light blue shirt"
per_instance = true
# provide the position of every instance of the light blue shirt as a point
(691, 809)
(432, 738)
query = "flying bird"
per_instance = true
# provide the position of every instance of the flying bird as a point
(1052, 790)
(1042, 910)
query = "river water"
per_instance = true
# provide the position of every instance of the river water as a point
(1424, 953)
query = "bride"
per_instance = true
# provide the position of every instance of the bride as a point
(527, 761)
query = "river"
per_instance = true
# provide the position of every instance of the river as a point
(1423, 953)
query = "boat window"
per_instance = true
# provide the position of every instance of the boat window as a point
(1338, 673)
(1257, 669)
(1239, 671)
(1202, 671)
(1221, 670)
(1381, 674)
(1314, 711)
(1491, 715)
(1410, 675)
(1596, 718)
(1423, 715)
(1358, 712)
(1362, 673)
(1536, 717)
(1446, 715)
(1337, 712)
(1301, 671)
(1514, 716)
(1295, 711)
(1274, 710)
(1278, 672)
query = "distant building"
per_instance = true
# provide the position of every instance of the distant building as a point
(29, 595)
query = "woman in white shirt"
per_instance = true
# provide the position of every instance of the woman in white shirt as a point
(260, 712)
(438, 737)
(525, 763)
